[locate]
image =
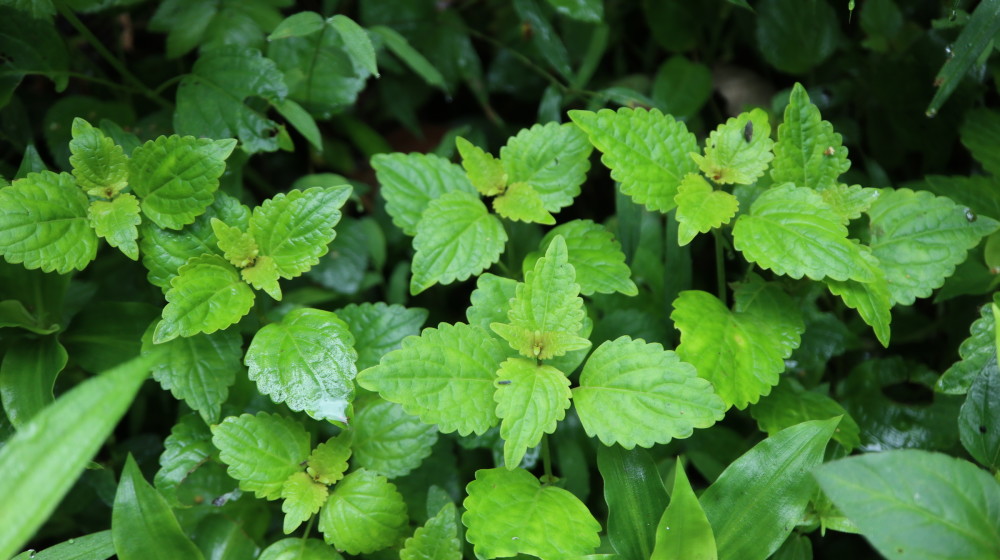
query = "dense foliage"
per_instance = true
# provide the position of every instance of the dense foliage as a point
(566, 279)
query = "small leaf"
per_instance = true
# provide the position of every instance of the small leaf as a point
(596, 257)
(531, 400)
(552, 158)
(591, 11)
(849, 201)
(208, 295)
(979, 419)
(436, 540)
(520, 202)
(356, 42)
(116, 222)
(789, 404)
(388, 441)
(302, 497)
(328, 462)
(646, 151)
(99, 165)
(262, 451)
(364, 513)
(738, 151)
(490, 300)
(263, 275)
(27, 375)
(409, 182)
(410, 56)
(544, 37)
(978, 353)
(237, 246)
(379, 328)
(302, 121)
(456, 238)
(872, 301)
(634, 393)
(485, 172)
(300, 549)
(635, 496)
(508, 512)
(808, 152)
(684, 530)
(700, 208)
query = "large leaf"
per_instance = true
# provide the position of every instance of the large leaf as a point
(646, 151)
(116, 222)
(409, 182)
(27, 374)
(739, 150)
(364, 513)
(531, 398)
(700, 208)
(596, 257)
(635, 496)
(636, 393)
(790, 404)
(262, 451)
(759, 498)
(508, 511)
(206, 296)
(683, 530)
(796, 35)
(387, 440)
(552, 158)
(979, 419)
(95, 546)
(437, 539)
(379, 328)
(299, 549)
(190, 23)
(808, 152)
(99, 165)
(43, 223)
(445, 376)
(978, 354)
(913, 504)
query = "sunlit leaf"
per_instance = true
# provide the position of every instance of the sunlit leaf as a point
(262, 451)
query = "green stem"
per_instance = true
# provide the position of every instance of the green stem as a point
(720, 265)
(547, 460)
(309, 526)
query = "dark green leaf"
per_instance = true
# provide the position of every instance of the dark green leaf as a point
(975, 38)
(681, 87)
(550, 47)
(796, 35)
(95, 546)
(636, 498)
(27, 374)
(979, 419)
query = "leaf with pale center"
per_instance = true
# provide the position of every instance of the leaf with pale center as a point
(808, 152)
(207, 295)
(522, 203)
(99, 165)
(531, 398)
(437, 539)
(116, 220)
(262, 451)
(485, 172)
(328, 462)
(849, 201)
(364, 513)
(263, 275)
(596, 257)
(700, 208)
(738, 151)
(237, 246)
(552, 158)
(302, 497)
(389, 441)
(409, 182)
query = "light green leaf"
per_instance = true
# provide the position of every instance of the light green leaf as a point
(207, 295)
(379, 328)
(302, 121)
(758, 499)
(919, 238)
(328, 462)
(522, 203)
(300, 549)
(979, 419)
(917, 505)
(634, 492)
(872, 301)
(307, 362)
(553, 158)
(634, 393)
(27, 374)
(410, 56)
(176, 177)
(456, 238)
(99, 165)
(436, 540)
(297, 25)
(700, 208)
(445, 376)
(596, 257)
(978, 353)
(792, 231)
(490, 300)
(508, 512)
(302, 497)
(116, 222)
(485, 172)
(796, 35)
(43, 223)
(262, 451)
(849, 201)
(188, 447)
(356, 42)
(409, 182)
(142, 524)
(263, 275)
(789, 404)
(683, 530)
(387, 440)
(738, 151)
(808, 152)
(531, 398)
(364, 513)
(646, 151)
(238, 247)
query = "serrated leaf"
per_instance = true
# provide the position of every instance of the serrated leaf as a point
(738, 151)
(188, 446)
(792, 231)
(307, 362)
(445, 376)
(683, 530)
(596, 257)
(99, 165)
(207, 295)
(915, 504)
(43, 223)
(849, 201)
(356, 42)
(485, 172)
(328, 462)
(116, 222)
(700, 208)
(872, 300)
(634, 393)
(410, 56)
(436, 540)
(553, 158)
(177, 176)
(789, 404)
(919, 238)
(522, 203)
(808, 152)
(490, 300)
(508, 512)
(297, 25)
(409, 182)
(544, 37)
(302, 497)
(388, 441)
(646, 151)
(263, 275)
(978, 353)
(531, 398)
(456, 238)
(211, 100)
(379, 328)
(364, 513)
(262, 451)
(299, 549)
(238, 247)
(979, 419)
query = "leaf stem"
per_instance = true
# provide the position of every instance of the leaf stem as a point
(547, 461)
(720, 266)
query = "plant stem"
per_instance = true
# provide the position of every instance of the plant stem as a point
(720, 265)
(547, 460)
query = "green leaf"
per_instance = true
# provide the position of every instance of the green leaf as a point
(211, 100)
(445, 377)
(95, 546)
(328, 462)
(262, 451)
(40, 465)
(591, 11)
(919, 238)
(872, 301)
(635, 496)
(387, 440)
(636, 393)
(298, 117)
(915, 504)
(31, 45)
(188, 447)
(738, 151)
(552, 158)
(116, 222)
(520, 202)
(789, 404)
(307, 362)
(700, 208)
(198, 369)
(792, 231)
(364, 513)
(207, 295)
(302, 497)
(646, 151)
(975, 39)
(238, 247)
(596, 257)
(14, 314)
(299, 549)
(298, 25)
(97, 344)
(681, 87)
(684, 530)
(531, 398)
(808, 152)
(176, 177)
(356, 42)
(190, 24)
(43, 223)
(978, 354)
(409, 182)
(758, 499)
(410, 56)
(544, 37)
(379, 328)
(979, 134)
(142, 523)
(849, 201)
(490, 300)
(508, 512)
(979, 419)
(796, 35)
(456, 238)
(27, 374)
(99, 165)
(436, 540)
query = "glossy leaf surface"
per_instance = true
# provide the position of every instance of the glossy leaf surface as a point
(409, 182)
(207, 295)
(530, 398)
(700, 208)
(808, 152)
(364, 513)
(683, 530)
(387, 440)
(635, 496)
(262, 450)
